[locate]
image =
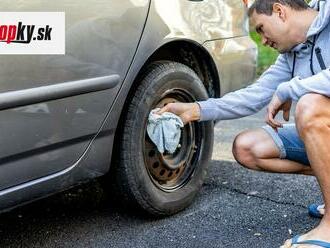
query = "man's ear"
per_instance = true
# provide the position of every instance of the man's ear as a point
(280, 11)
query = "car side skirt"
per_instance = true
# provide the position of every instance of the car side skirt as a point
(13, 99)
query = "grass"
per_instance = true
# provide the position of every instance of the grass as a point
(266, 55)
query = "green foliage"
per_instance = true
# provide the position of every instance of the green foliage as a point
(266, 55)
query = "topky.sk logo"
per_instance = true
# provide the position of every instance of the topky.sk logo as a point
(21, 33)
(32, 33)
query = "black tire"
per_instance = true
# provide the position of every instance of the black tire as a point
(162, 190)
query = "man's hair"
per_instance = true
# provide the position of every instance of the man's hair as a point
(266, 6)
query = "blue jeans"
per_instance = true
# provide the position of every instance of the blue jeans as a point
(289, 143)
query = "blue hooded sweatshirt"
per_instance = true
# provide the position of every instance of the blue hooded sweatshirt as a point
(304, 69)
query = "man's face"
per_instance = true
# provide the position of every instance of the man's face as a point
(273, 31)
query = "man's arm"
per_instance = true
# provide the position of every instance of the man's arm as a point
(296, 87)
(249, 100)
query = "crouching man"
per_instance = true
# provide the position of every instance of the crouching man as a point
(301, 34)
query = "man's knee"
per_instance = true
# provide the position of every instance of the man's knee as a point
(243, 150)
(308, 113)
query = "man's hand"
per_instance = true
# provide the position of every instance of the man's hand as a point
(186, 111)
(273, 108)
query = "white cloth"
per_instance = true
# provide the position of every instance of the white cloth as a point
(164, 130)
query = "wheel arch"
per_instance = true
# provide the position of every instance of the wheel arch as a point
(189, 53)
(193, 55)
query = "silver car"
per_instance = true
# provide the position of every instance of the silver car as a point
(66, 119)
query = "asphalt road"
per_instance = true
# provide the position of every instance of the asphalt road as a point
(235, 208)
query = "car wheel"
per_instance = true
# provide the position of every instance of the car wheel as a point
(162, 184)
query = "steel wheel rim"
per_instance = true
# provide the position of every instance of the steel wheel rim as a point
(170, 172)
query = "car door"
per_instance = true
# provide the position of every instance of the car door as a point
(52, 133)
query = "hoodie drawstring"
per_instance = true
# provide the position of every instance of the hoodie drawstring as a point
(317, 50)
(294, 64)
(320, 58)
(312, 54)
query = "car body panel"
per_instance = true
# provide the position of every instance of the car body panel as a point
(223, 34)
(101, 40)
(236, 62)
(200, 20)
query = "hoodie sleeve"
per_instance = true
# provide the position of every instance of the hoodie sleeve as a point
(297, 87)
(249, 100)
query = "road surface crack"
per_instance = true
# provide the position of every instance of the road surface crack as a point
(238, 191)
